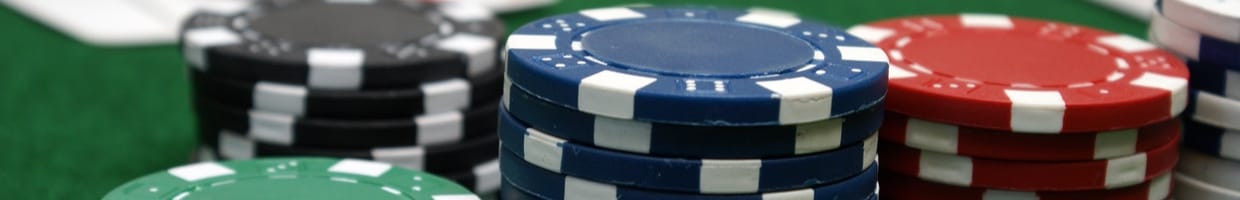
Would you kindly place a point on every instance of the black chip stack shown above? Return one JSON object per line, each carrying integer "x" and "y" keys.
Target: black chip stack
{"x": 409, "y": 83}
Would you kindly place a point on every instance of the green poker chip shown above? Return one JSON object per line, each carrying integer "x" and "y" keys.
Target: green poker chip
{"x": 291, "y": 178}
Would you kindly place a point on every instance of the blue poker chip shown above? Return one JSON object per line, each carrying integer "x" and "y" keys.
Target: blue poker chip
{"x": 510, "y": 192}
{"x": 1211, "y": 140}
{"x": 700, "y": 176}
{"x": 1213, "y": 109}
{"x": 1216, "y": 18}
{"x": 697, "y": 66}
{"x": 1193, "y": 44}
{"x": 544, "y": 184}
{"x": 672, "y": 140}
{"x": 1223, "y": 80}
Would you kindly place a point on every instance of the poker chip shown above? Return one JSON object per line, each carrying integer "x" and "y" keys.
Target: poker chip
{"x": 296, "y": 178}
{"x": 481, "y": 179}
{"x": 1007, "y": 73}
{"x": 704, "y": 176}
{"x": 981, "y": 143}
{"x": 1221, "y": 80}
{"x": 660, "y": 139}
{"x": 431, "y": 97}
{"x": 435, "y": 159}
{"x": 901, "y": 187}
{"x": 353, "y": 45}
{"x": 550, "y": 185}
{"x": 1191, "y": 188}
{"x": 1030, "y": 175}
{"x": 687, "y": 66}
{"x": 510, "y": 192}
{"x": 286, "y": 130}
{"x": 1209, "y": 169}
{"x": 1193, "y": 44}
{"x": 1211, "y": 140}
{"x": 1217, "y": 18}
{"x": 1214, "y": 110}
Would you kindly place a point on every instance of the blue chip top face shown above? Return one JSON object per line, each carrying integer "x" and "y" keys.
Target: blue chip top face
{"x": 697, "y": 49}
{"x": 697, "y": 66}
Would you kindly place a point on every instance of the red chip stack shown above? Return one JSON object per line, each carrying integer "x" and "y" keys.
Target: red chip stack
{"x": 984, "y": 106}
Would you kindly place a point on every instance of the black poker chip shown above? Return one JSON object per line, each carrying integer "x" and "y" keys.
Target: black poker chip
{"x": 430, "y": 97}
{"x": 332, "y": 44}
{"x": 280, "y": 129}
{"x": 481, "y": 179}
{"x": 443, "y": 158}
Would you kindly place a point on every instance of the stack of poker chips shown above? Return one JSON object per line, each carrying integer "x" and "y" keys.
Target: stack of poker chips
{"x": 985, "y": 106}
{"x": 689, "y": 103}
{"x": 413, "y": 84}
{"x": 1205, "y": 34}
{"x": 290, "y": 178}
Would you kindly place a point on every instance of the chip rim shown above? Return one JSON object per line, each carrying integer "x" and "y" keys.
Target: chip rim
{"x": 448, "y": 95}
{"x": 1208, "y": 21}
{"x": 485, "y": 177}
{"x": 714, "y": 176}
{"x": 543, "y": 183}
{"x": 1221, "y": 80}
{"x": 1210, "y": 169}
{"x": 1212, "y": 140}
{"x": 1005, "y": 145}
{"x": 289, "y": 130}
{"x": 1188, "y": 187}
{"x": 1033, "y": 176}
{"x": 898, "y": 185}
{"x": 509, "y": 192}
{"x": 1191, "y": 43}
{"x": 1214, "y": 110}
{"x": 444, "y": 158}
{"x": 674, "y": 140}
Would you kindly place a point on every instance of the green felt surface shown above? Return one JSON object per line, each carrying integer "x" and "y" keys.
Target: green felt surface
{"x": 77, "y": 120}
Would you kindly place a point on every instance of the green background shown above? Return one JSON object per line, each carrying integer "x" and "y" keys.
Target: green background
{"x": 77, "y": 120}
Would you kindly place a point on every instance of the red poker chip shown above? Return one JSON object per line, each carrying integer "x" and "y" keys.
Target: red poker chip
{"x": 1025, "y": 75}
{"x": 1004, "y": 145}
{"x": 1029, "y": 175}
{"x": 901, "y": 187}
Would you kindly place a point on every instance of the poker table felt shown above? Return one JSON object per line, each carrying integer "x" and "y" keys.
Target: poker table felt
{"x": 77, "y": 120}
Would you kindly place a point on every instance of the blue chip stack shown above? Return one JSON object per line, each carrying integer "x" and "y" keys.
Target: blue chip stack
{"x": 1207, "y": 33}
{"x": 689, "y": 103}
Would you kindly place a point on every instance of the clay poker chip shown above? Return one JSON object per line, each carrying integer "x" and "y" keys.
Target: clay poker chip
{"x": 1030, "y": 175}
{"x": 1025, "y": 75}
